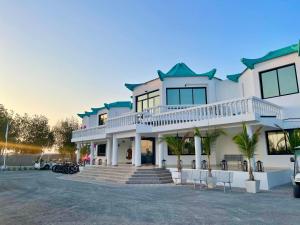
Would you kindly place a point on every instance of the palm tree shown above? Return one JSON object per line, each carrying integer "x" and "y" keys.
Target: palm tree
{"x": 208, "y": 140}
{"x": 247, "y": 145}
{"x": 176, "y": 144}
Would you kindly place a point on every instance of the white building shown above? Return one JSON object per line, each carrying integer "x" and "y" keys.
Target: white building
{"x": 265, "y": 94}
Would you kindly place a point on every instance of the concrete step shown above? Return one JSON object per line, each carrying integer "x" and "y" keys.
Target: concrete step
{"x": 124, "y": 174}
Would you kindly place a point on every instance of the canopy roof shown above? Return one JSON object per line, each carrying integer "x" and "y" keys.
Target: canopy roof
{"x": 182, "y": 70}
{"x": 249, "y": 63}
{"x": 119, "y": 104}
{"x": 234, "y": 77}
{"x": 179, "y": 70}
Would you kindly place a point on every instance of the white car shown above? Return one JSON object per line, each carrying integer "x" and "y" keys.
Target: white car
{"x": 296, "y": 176}
{"x": 41, "y": 165}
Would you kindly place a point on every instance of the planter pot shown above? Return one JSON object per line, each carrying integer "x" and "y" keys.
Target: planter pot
{"x": 252, "y": 186}
{"x": 176, "y": 176}
{"x": 211, "y": 182}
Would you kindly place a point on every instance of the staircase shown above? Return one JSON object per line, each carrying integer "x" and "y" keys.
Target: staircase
{"x": 150, "y": 176}
{"x": 125, "y": 174}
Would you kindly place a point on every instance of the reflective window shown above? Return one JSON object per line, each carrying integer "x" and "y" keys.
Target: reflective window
{"x": 277, "y": 143}
{"x": 186, "y": 96}
{"x": 147, "y": 100}
{"x": 279, "y": 81}
{"x": 102, "y": 119}
{"x": 173, "y": 97}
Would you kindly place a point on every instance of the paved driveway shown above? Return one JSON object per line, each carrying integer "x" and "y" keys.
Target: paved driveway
{"x": 39, "y": 197}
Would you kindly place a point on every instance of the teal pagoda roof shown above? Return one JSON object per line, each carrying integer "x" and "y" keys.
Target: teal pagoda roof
{"x": 234, "y": 77}
{"x": 119, "y": 104}
{"x": 182, "y": 70}
{"x": 249, "y": 63}
{"x": 131, "y": 87}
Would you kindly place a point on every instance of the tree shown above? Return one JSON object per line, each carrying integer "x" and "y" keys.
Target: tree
{"x": 63, "y": 134}
{"x": 176, "y": 145}
{"x": 247, "y": 145}
{"x": 208, "y": 140}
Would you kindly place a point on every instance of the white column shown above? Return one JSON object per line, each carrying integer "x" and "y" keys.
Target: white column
{"x": 137, "y": 150}
{"x": 108, "y": 151}
{"x": 114, "y": 151}
{"x": 250, "y": 133}
{"x": 161, "y": 147}
{"x": 91, "y": 153}
{"x": 198, "y": 148}
{"x": 78, "y": 146}
{"x": 133, "y": 153}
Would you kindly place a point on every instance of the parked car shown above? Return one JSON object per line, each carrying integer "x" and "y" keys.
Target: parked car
{"x": 296, "y": 175}
{"x": 43, "y": 165}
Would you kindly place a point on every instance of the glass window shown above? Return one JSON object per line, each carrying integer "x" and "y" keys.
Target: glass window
{"x": 277, "y": 143}
{"x": 147, "y": 100}
{"x": 287, "y": 80}
{"x": 101, "y": 149}
{"x": 279, "y": 81}
{"x": 186, "y": 96}
{"x": 173, "y": 96}
{"x": 102, "y": 119}
{"x": 270, "y": 84}
{"x": 199, "y": 96}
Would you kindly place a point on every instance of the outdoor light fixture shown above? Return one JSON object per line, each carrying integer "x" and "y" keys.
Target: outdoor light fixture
{"x": 164, "y": 164}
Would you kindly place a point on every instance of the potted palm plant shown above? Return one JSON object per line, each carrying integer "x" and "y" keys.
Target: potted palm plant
{"x": 176, "y": 145}
{"x": 208, "y": 140}
{"x": 247, "y": 146}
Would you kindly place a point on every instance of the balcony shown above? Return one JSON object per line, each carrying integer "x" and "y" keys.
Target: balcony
{"x": 174, "y": 117}
{"x": 93, "y": 133}
{"x": 163, "y": 118}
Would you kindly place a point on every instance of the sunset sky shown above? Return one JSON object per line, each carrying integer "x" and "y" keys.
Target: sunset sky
{"x": 61, "y": 57}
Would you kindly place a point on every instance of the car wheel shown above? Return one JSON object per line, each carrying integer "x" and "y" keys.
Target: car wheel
{"x": 54, "y": 169}
{"x": 297, "y": 191}
{"x": 46, "y": 167}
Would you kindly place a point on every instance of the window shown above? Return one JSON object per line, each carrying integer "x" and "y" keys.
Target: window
{"x": 147, "y": 100}
{"x": 186, "y": 96}
{"x": 102, "y": 119}
{"x": 277, "y": 143}
{"x": 189, "y": 148}
{"x": 278, "y": 82}
{"x": 101, "y": 149}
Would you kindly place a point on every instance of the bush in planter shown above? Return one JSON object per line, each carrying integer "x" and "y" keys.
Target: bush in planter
{"x": 209, "y": 138}
{"x": 247, "y": 146}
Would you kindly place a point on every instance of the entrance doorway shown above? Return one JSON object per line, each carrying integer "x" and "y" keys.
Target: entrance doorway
{"x": 148, "y": 151}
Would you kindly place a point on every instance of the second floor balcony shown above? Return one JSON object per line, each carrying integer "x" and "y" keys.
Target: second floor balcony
{"x": 174, "y": 117}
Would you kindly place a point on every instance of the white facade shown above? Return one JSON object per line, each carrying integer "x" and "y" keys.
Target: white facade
{"x": 229, "y": 104}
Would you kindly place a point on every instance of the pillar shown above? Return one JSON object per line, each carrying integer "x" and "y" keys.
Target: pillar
{"x": 250, "y": 133}
{"x": 198, "y": 150}
{"x": 78, "y": 147}
{"x": 133, "y": 153}
{"x": 108, "y": 151}
{"x": 161, "y": 147}
{"x": 92, "y": 153}
{"x": 137, "y": 150}
{"x": 114, "y": 151}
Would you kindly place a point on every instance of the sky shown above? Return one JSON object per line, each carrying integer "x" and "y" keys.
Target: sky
{"x": 62, "y": 57}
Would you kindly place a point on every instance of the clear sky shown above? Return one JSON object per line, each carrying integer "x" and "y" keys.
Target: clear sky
{"x": 61, "y": 57}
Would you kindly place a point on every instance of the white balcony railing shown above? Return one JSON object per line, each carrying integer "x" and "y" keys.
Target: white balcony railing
{"x": 88, "y": 132}
{"x": 166, "y": 115}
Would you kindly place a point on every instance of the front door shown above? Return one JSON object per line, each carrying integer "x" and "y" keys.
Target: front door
{"x": 148, "y": 151}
